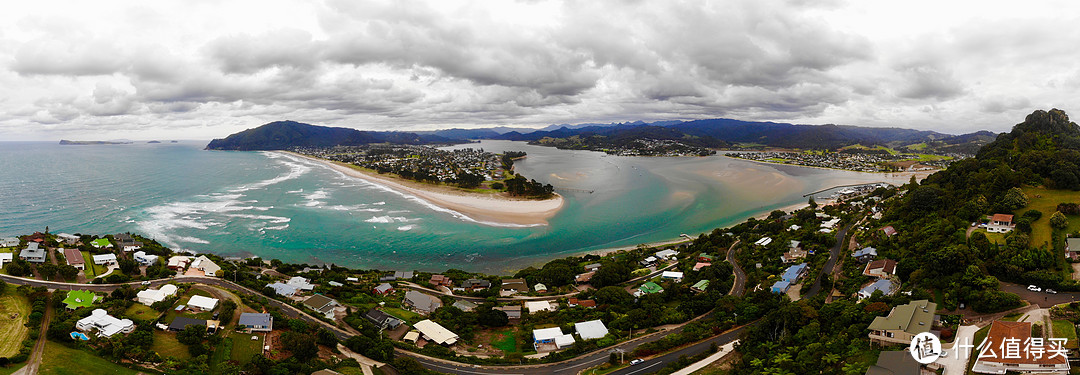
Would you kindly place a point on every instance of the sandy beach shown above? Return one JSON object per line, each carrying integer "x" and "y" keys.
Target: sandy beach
{"x": 483, "y": 208}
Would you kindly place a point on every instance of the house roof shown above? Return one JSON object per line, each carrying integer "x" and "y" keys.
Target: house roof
{"x": 547, "y": 333}
{"x": 886, "y": 286}
{"x": 422, "y": 301}
{"x": 1073, "y": 244}
{"x": 436, "y": 332}
{"x": 1002, "y": 217}
{"x": 887, "y": 266}
{"x": 283, "y": 288}
{"x": 384, "y": 287}
{"x": 914, "y": 318}
{"x": 182, "y": 322}
{"x": 255, "y": 319}
{"x": 515, "y": 284}
{"x": 73, "y": 257}
{"x": 318, "y": 302}
{"x": 671, "y": 275}
{"x": 202, "y": 302}
{"x": 650, "y": 287}
{"x": 537, "y": 306}
{"x": 706, "y": 256}
{"x": 464, "y": 305}
{"x": 379, "y": 316}
{"x": 1001, "y": 330}
{"x": 475, "y": 283}
{"x": 701, "y": 285}
{"x": 865, "y": 251}
{"x": 593, "y": 329}
{"x": 513, "y": 312}
{"x": 793, "y": 272}
{"x": 894, "y": 362}
{"x": 889, "y": 230}
{"x": 104, "y": 257}
{"x": 780, "y": 285}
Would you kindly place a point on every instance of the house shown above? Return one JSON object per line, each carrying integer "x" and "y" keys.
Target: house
{"x": 144, "y": 259}
{"x": 830, "y": 224}
{"x": 74, "y": 258}
{"x": 256, "y": 322}
{"x": 204, "y": 264}
{"x": 179, "y": 262}
{"x": 794, "y": 227}
{"x": 411, "y": 336}
{"x": 886, "y": 286}
{"x": 706, "y": 258}
{"x": 865, "y": 254}
{"x": 475, "y": 284}
{"x": 464, "y": 305}
{"x": 382, "y": 319}
{"x": 666, "y": 254}
{"x": 512, "y": 286}
{"x": 591, "y": 330}
{"x": 105, "y": 259}
{"x": 405, "y": 275}
{"x": 540, "y": 288}
{"x": 283, "y": 289}
{"x": 672, "y": 275}
{"x": 9, "y": 242}
{"x": 1072, "y": 248}
{"x": 384, "y": 289}
{"x": 1000, "y": 223}
{"x": 586, "y": 303}
{"x": 352, "y": 279}
{"x": 584, "y": 278}
{"x": 326, "y": 371}
{"x": 698, "y": 266}
{"x": 66, "y": 238}
{"x": 301, "y": 283}
{"x": 130, "y": 248}
{"x": 648, "y": 288}
{"x": 106, "y": 325}
{"x": 700, "y": 286}
{"x": 100, "y": 243}
{"x": 512, "y": 312}
{"x": 780, "y": 287}
{"x": 203, "y": 303}
{"x": 421, "y": 302}
{"x": 334, "y": 283}
{"x": 150, "y": 296}
{"x": 889, "y": 231}
{"x": 322, "y": 304}
{"x": 592, "y": 267}
{"x": 649, "y": 261}
{"x": 903, "y": 323}
{"x": 440, "y": 280}
{"x": 548, "y": 339}
{"x": 793, "y": 255}
{"x": 881, "y": 268}
{"x": 794, "y": 273}
{"x": 435, "y": 333}
{"x": 538, "y": 306}
{"x": 893, "y": 362}
{"x": 182, "y": 322}
{"x": 33, "y": 253}
{"x": 763, "y": 241}
{"x": 1032, "y": 357}
{"x": 6, "y": 258}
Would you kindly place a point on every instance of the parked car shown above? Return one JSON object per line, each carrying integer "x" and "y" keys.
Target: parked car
{"x": 147, "y": 282}
{"x": 1034, "y": 288}
{"x": 636, "y": 361}
{"x": 944, "y": 354}
{"x": 1051, "y": 291}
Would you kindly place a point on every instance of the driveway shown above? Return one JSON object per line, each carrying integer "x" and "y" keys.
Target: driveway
{"x": 956, "y": 362}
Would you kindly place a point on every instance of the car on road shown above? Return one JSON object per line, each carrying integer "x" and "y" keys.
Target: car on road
{"x": 147, "y": 282}
{"x": 944, "y": 354}
{"x": 975, "y": 224}
{"x": 1034, "y": 288}
{"x": 1051, "y": 291}
{"x": 636, "y": 361}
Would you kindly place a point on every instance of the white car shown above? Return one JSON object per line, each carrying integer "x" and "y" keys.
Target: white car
{"x": 1051, "y": 291}
{"x": 636, "y": 361}
{"x": 1034, "y": 288}
{"x": 944, "y": 354}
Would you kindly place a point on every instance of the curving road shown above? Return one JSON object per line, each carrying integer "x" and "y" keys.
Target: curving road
{"x": 738, "y": 288}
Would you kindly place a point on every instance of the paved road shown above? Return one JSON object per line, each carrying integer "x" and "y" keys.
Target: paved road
{"x": 655, "y": 364}
{"x": 834, "y": 254}
{"x": 738, "y": 288}
{"x": 956, "y": 362}
{"x": 1042, "y": 299}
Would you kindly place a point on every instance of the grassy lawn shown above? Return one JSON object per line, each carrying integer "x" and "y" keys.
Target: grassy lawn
{"x": 995, "y": 238}
{"x": 1065, "y": 328}
{"x": 243, "y": 347}
{"x": 166, "y": 345}
{"x": 12, "y": 368}
{"x": 221, "y": 354}
{"x": 506, "y": 343}
{"x": 406, "y": 315}
{"x": 92, "y": 270}
{"x": 141, "y": 312}
{"x": 1047, "y": 203}
{"x": 13, "y": 331}
{"x": 980, "y": 335}
{"x": 59, "y": 359}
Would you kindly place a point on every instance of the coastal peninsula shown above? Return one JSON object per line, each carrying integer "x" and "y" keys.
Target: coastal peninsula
{"x": 489, "y": 208}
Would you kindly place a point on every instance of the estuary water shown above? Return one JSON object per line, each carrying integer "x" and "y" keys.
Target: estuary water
{"x": 279, "y": 206}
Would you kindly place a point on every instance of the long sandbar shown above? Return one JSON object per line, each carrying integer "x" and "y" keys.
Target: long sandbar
{"x": 484, "y": 208}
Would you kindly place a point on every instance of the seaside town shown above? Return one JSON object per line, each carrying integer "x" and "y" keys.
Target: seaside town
{"x": 464, "y": 167}
{"x": 855, "y": 161}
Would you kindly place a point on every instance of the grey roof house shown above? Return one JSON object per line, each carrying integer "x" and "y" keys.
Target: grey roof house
{"x": 257, "y": 322}
{"x": 421, "y": 302}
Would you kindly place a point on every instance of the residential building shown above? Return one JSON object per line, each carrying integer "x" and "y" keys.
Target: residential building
{"x": 889, "y": 231}
{"x": 9, "y": 242}
{"x": 795, "y": 253}
{"x": 33, "y": 253}
{"x": 334, "y": 284}
{"x": 421, "y": 303}
{"x": 182, "y": 322}
{"x": 464, "y": 305}
{"x": 106, "y": 325}
{"x": 1000, "y": 223}
{"x": 435, "y": 333}
{"x": 587, "y": 303}
{"x": 763, "y": 241}
{"x": 591, "y": 330}
{"x": 549, "y": 339}
{"x": 440, "y": 280}
{"x": 257, "y": 322}
{"x": 202, "y": 303}
{"x": 672, "y": 275}
{"x": 649, "y": 261}
{"x": 512, "y": 312}
{"x": 475, "y": 284}
{"x": 326, "y": 371}
{"x": 512, "y": 286}
{"x": 881, "y": 268}
{"x": 886, "y": 286}
{"x": 382, "y": 319}
{"x": 150, "y": 296}
{"x": 699, "y": 265}
{"x": 584, "y": 278}
{"x": 384, "y": 289}
{"x": 144, "y": 259}
{"x": 74, "y": 258}
{"x": 352, "y": 279}
{"x": 6, "y": 258}
{"x": 538, "y": 306}
{"x": 66, "y": 238}
{"x": 648, "y": 288}
{"x": 706, "y": 258}
{"x": 1072, "y": 248}
{"x": 1047, "y": 357}
{"x": 204, "y": 264}
{"x": 790, "y": 277}
{"x": 903, "y": 323}
{"x": 895, "y": 362}
{"x": 592, "y": 267}
{"x": 301, "y": 283}
{"x": 323, "y": 304}
{"x": 283, "y": 289}
{"x": 700, "y": 286}
{"x": 540, "y": 288}
{"x": 104, "y": 259}
{"x": 179, "y": 262}
{"x": 865, "y": 255}
{"x": 666, "y": 254}
{"x": 780, "y": 287}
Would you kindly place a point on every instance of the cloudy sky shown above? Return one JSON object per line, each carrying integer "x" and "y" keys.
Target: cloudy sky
{"x": 204, "y": 69}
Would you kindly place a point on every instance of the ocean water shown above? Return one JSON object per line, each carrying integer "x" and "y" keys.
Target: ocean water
{"x": 279, "y": 206}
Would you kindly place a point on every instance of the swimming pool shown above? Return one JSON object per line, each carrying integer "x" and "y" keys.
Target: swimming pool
{"x": 79, "y": 336}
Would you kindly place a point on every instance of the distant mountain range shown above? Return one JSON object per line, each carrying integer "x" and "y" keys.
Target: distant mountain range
{"x": 717, "y": 133}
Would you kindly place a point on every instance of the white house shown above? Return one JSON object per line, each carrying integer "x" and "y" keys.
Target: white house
{"x": 1000, "y": 223}
{"x": 105, "y": 259}
{"x": 301, "y": 283}
{"x": 544, "y": 338}
{"x": 202, "y": 263}
{"x": 672, "y": 275}
{"x": 105, "y": 324}
{"x": 283, "y": 289}
{"x": 435, "y": 333}
{"x": 593, "y": 329}
{"x": 150, "y": 296}
{"x": 145, "y": 259}
{"x": 9, "y": 242}
{"x": 68, "y": 238}
{"x": 6, "y": 258}
{"x": 179, "y": 262}
{"x": 203, "y": 303}
{"x": 130, "y": 248}
{"x": 764, "y": 241}
{"x": 541, "y": 288}
{"x": 538, "y": 306}
{"x": 666, "y": 254}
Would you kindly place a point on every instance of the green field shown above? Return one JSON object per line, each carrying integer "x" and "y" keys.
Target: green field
{"x": 141, "y": 312}
{"x": 13, "y": 311}
{"x": 995, "y": 238}
{"x": 243, "y": 347}
{"x": 92, "y": 270}
{"x": 59, "y": 359}
{"x": 1046, "y": 201}
{"x": 1064, "y": 328}
{"x": 220, "y": 354}
{"x": 506, "y": 343}
{"x": 166, "y": 345}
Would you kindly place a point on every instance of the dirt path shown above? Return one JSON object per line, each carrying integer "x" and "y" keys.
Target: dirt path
{"x": 34, "y": 362}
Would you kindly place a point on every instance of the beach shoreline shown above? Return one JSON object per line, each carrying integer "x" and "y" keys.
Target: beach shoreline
{"x": 491, "y": 210}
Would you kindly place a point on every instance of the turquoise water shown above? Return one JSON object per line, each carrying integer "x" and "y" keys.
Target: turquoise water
{"x": 278, "y": 206}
